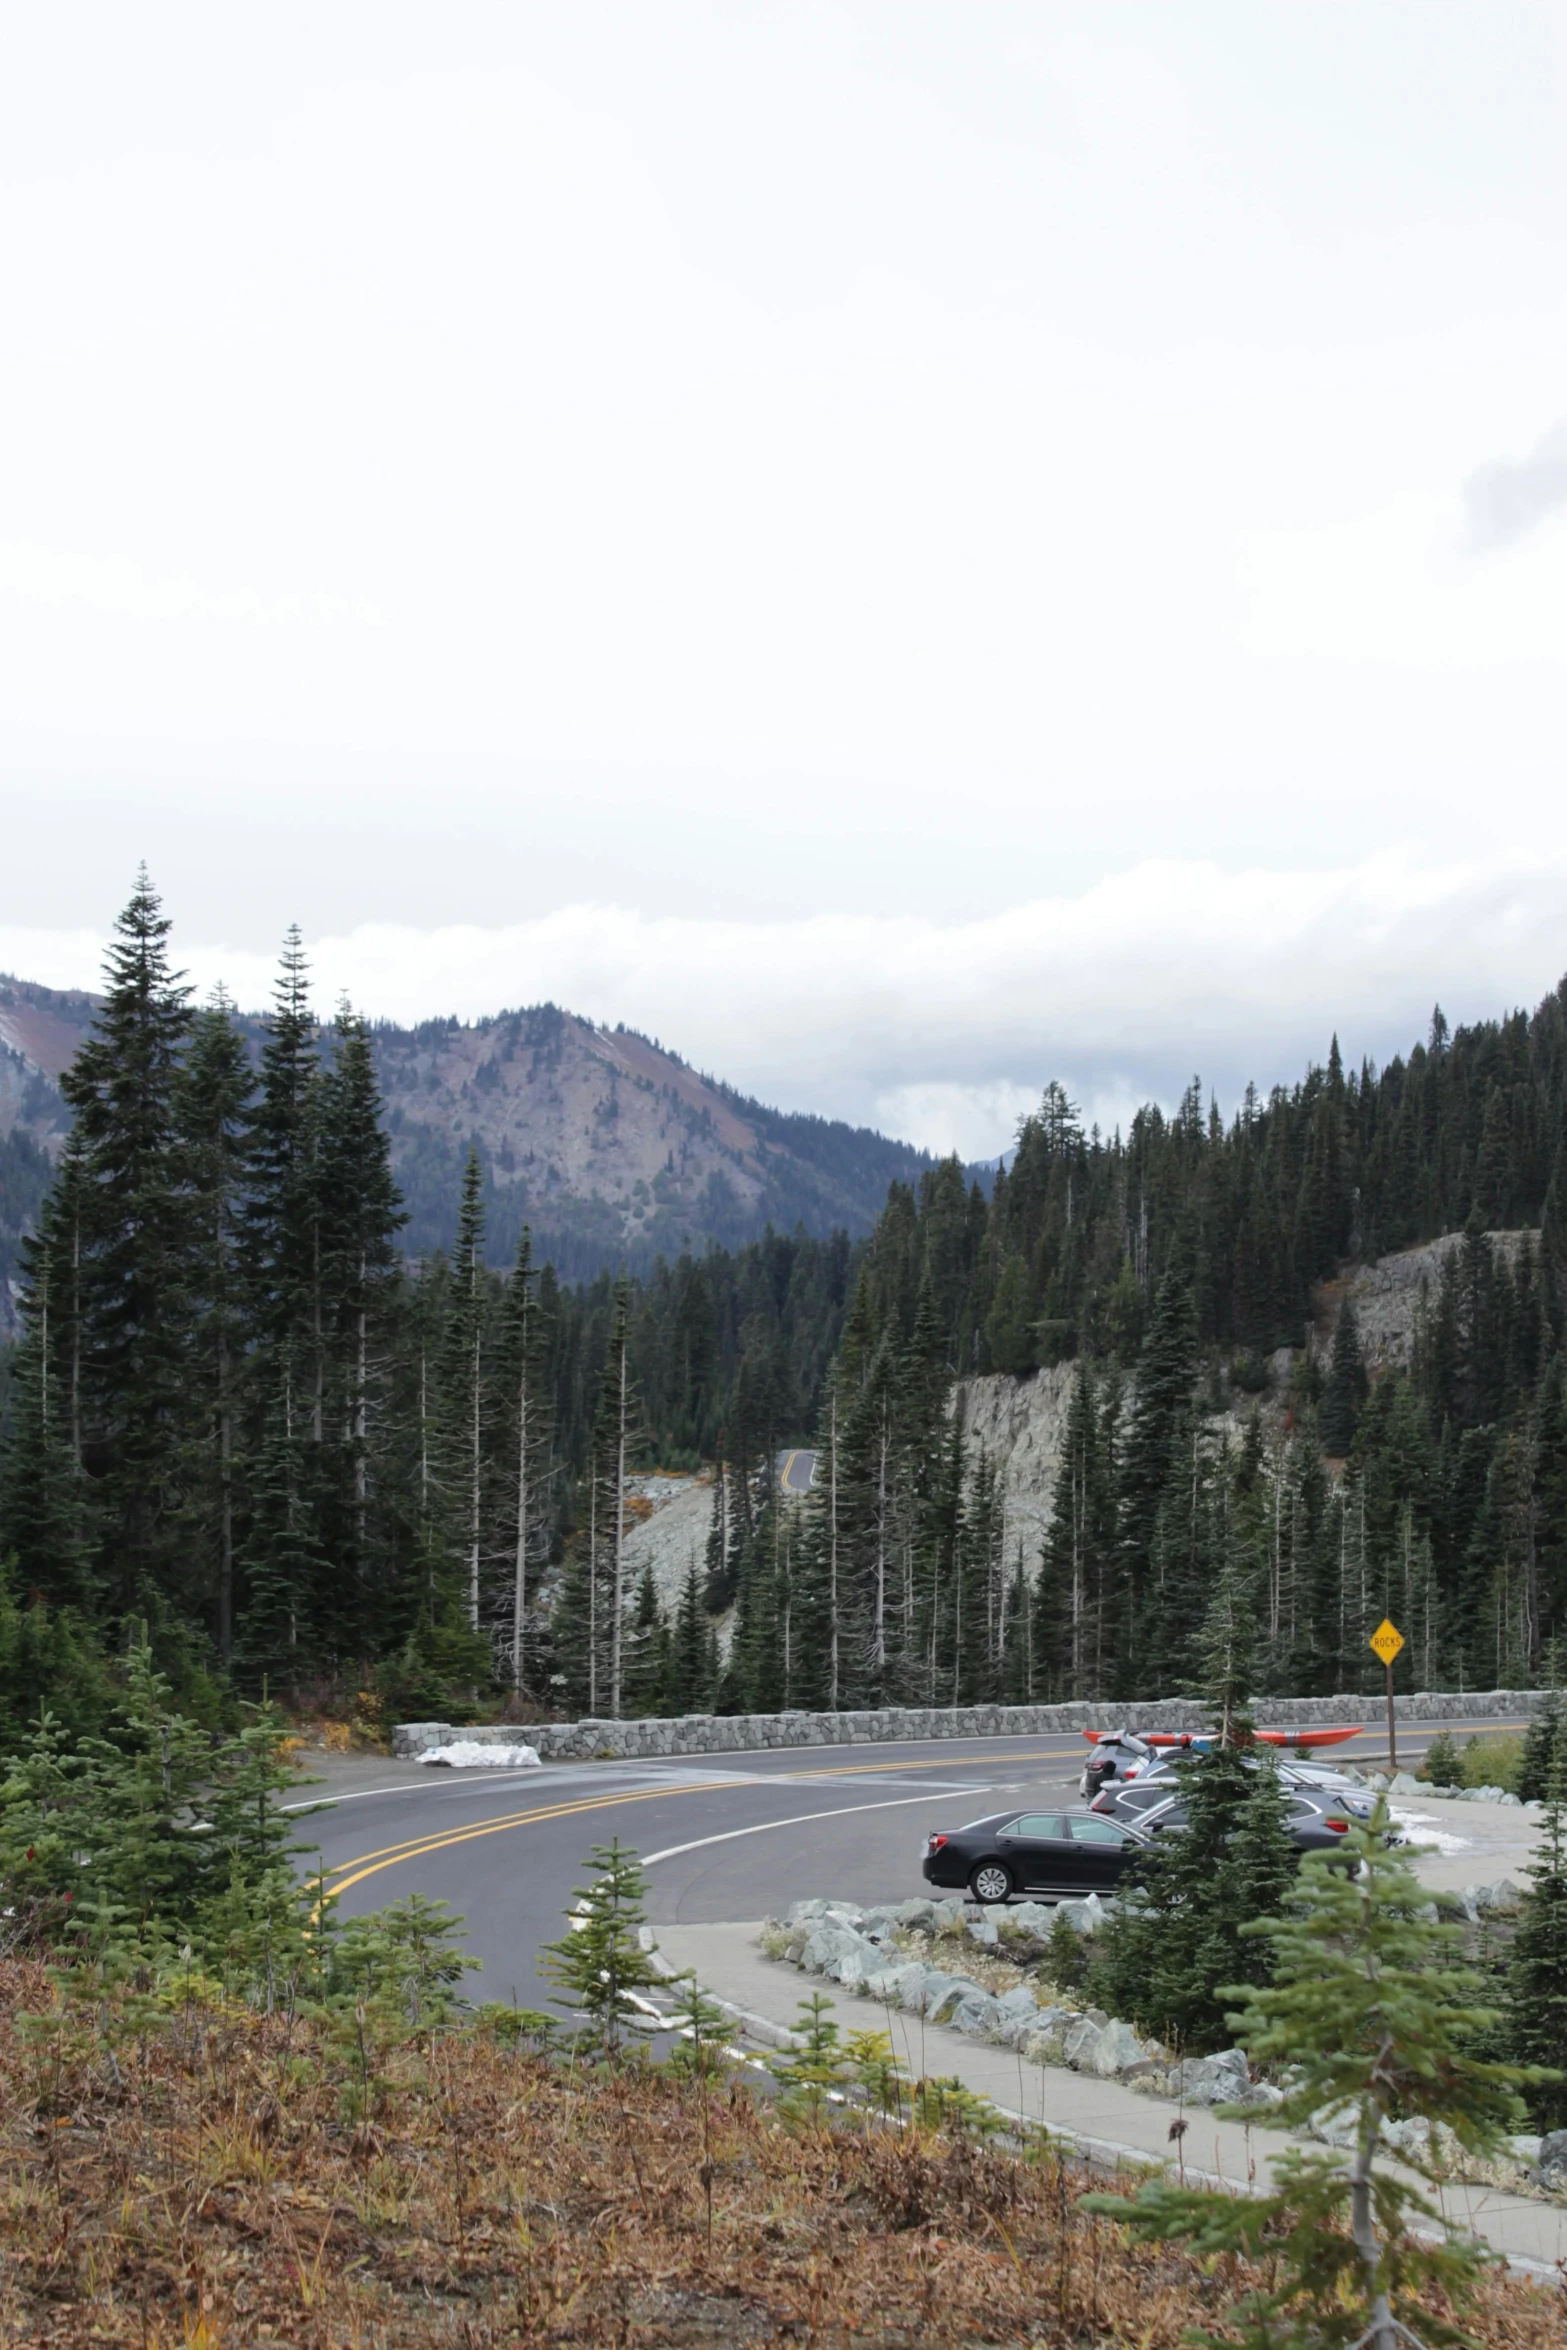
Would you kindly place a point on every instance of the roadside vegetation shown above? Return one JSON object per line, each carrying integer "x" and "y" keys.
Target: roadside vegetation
{"x": 231, "y": 2117}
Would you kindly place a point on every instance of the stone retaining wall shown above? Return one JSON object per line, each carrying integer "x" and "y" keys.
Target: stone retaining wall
{"x": 742, "y": 1733}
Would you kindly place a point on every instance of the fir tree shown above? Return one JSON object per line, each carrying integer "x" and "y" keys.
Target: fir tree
{"x": 1018, "y": 1682}
{"x": 527, "y": 1416}
{"x": 720, "y": 1581}
{"x": 579, "y": 1612}
{"x": 1544, "y": 1740}
{"x": 465, "y": 1386}
{"x": 1373, "y": 2020}
{"x": 40, "y": 1499}
{"x": 213, "y": 1093}
{"x": 1537, "y": 1962}
{"x": 599, "y": 1963}
{"x": 688, "y": 1686}
{"x": 283, "y": 1239}
{"x": 361, "y": 1215}
{"x": 1164, "y": 1955}
{"x": 134, "y": 1246}
{"x": 866, "y": 1474}
{"x": 618, "y": 1433}
{"x": 1227, "y": 1654}
{"x": 646, "y": 1658}
{"x": 1079, "y": 1547}
{"x": 283, "y": 1566}
{"x": 947, "y": 1622}
{"x": 1345, "y": 1392}
{"x": 1160, "y": 1407}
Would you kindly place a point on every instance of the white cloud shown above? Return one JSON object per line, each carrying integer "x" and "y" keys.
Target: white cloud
{"x": 1391, "y": 584}
{"x": 116, "y": 584}
{"x": 1504, "y": 500}
{"x": 976, "y": 1121}
{"x": 509, "y": 485}
{"x": 944, "y": 1032}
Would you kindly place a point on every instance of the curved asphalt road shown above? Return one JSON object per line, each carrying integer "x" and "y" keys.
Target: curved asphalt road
{"x": 721, "y": 1838}
{"x": 796, "y": 1473}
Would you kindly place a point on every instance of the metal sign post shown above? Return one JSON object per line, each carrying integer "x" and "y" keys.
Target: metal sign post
{"x": 1386, "y": 1641}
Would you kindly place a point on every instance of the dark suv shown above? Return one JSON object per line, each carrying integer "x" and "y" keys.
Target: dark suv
{"x": 1062, "y": 1853}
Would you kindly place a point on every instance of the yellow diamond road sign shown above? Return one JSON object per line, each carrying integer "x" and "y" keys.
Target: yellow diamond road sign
{"x": 1387, "y": 1640}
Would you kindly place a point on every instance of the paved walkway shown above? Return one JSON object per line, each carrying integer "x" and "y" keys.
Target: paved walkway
{"x": 1492, "y": 1840}
{"x": 1104, "y": 2118}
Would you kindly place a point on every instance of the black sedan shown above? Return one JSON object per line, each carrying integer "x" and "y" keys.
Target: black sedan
{"x": 1067, "y": 1853}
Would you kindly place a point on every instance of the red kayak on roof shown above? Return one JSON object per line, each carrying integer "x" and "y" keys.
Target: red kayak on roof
{"x": 1200, "y": 1738}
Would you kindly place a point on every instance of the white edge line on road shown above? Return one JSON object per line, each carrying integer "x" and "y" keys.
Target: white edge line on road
{"x": 760, "y": 1827}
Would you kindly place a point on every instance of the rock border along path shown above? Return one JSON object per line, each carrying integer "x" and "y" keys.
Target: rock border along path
{"x": 640, "y": 1741}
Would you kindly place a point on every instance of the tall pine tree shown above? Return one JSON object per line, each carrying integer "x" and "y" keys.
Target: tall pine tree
{"x": 134, "y": 1273}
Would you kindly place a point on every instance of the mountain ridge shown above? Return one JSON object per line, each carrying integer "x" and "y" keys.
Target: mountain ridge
{"x": 611, "y": 1147}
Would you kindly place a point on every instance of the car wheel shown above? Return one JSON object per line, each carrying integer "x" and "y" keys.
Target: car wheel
{"x": 991, "y": 1881}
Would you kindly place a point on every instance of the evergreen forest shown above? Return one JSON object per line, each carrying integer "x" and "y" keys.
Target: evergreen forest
{"x": 247, "y": 1423}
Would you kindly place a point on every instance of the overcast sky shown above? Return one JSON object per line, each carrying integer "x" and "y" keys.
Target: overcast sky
{"x": 905, "y": 549}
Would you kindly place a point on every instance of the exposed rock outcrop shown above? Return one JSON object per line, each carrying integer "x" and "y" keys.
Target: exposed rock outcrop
{"x": 1388, "y": 1296}
{"x": 1021, "y": 1424}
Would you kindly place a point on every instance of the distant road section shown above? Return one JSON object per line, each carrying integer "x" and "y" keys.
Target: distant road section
{"x": 796, "y": 1471}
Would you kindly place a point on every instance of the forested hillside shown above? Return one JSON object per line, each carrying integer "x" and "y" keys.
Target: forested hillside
{"x": 244, "y": 1410}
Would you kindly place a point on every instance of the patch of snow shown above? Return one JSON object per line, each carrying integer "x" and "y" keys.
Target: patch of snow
{"x": 1418, "y": 1829}
{"x": 466, "y": 1754}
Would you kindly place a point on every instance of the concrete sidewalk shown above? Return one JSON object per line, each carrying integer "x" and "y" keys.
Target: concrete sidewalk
{"x": 1104, "y": 2119}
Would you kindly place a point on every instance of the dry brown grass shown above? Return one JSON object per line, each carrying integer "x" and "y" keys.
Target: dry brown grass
{"x": 204, "y": 2189}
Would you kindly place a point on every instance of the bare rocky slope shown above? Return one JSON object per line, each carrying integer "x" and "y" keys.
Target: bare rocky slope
{"x": 611, "y": 1147}
{"x": 1387, "y": 1297}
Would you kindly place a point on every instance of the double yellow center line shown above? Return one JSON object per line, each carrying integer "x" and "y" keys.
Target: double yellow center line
{"x": 347, "y": 1873}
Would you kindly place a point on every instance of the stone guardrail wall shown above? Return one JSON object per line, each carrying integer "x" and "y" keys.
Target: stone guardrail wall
{"x": 742, "y": 1733}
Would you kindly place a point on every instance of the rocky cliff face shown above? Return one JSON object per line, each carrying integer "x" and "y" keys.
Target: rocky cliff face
{"x": 1021, "y": 1424}
{"x": 1388, "y": 1297}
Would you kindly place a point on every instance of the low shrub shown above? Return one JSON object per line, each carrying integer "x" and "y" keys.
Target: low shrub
{"x": 1495, "y": 1760}
{"x": 233, "y": 2176}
